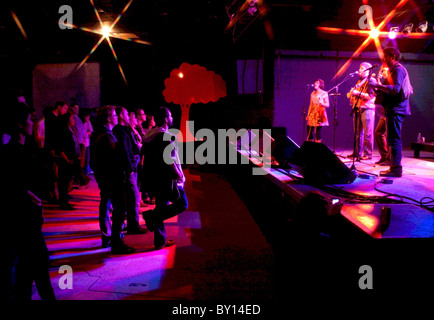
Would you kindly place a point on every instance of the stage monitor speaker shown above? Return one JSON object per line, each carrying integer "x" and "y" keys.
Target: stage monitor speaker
{"x": 319, "y": 165}
{"x": 283, "y": 149}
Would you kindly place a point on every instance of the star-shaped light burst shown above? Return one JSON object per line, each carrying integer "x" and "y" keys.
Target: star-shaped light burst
{"x": 106, "y": 32}
{"x": 372, "y": 35}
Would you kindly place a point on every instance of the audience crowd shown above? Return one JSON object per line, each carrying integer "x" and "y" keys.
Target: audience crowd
{"x": 44, "y": 159}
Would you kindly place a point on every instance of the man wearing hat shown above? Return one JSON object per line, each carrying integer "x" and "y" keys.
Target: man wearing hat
{"x": 362, "y": 98}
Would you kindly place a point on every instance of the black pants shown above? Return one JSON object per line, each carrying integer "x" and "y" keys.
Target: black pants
{"x": 32, "y": 265}
{"x": 165, "y": 208}
{"x": 66, "y": 172}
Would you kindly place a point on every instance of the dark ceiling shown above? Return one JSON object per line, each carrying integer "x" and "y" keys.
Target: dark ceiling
{"x": 191, "y": 31}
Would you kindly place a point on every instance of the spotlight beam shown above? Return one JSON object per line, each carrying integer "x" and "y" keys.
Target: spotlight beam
{"x": 19, "y": 25}
{"x": 96, "y": 13}
{"x": 117, "y": 60}
{"x": 121, "y": 14}
{"x": 90, "y": 53}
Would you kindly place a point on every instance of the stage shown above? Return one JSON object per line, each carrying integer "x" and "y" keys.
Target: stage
{"x": 410, "y": 197}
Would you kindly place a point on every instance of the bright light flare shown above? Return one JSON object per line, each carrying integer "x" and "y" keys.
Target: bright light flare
{"x": 374, "y": 33}
{"x": 181, "y": 75}
{"x": 105, "y": 31}
{"x": 393, "y": 33}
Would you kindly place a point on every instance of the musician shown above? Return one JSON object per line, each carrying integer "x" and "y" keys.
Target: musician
{"x": 362, "y": 98}
{"x": 317, "y": 115}
{"x": 396, "y": 102}
{"x": 380, "y": 130}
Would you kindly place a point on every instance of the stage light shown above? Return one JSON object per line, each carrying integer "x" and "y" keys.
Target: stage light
{"x": 423, "y": 26}
{"x": 407, "y": 29}
{"x": 374, "y": 33}
{"x": 181, "y": 75}
{"x": 393, "y": 32}
{"x": 105, "y": 31}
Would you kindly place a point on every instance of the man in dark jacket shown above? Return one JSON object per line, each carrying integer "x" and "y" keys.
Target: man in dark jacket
{"x": 395, "y": 93}
{"x": 165, "y": 177}
{"x": 129, "y": 156}
{"x": 108, "y": 172}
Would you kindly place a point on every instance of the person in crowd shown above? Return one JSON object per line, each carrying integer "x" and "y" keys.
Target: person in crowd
{"x": 380, "y": 131}
{"x": 52, "y": 134}
{"x": 68, "y": 151}
{"x": 362, "y": 98}
{"x": 141, "y": 118}
{"x": 133, "y": 125}
{"x": 79, "y": 177}
{"x": 165, "y": 176}
{"x": 396, "y": 93}
{"x": 317, "y": 114}
{"x": 26, "y": 255}
{"x": 110, "y": 178}
{"x": 137, "y": 137}
{"x": 146, "y": 125}
{"x": 130, "y": 157}
{"x": 88, "y": 130}
{"x": 149, "y": 123}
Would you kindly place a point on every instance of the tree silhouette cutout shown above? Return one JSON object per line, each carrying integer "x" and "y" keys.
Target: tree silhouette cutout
{"x": 192, "y": 84}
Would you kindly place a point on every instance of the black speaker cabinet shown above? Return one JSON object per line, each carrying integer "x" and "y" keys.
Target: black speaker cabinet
{"x": 283, "y": 149}
{"x": 319, "y": 165}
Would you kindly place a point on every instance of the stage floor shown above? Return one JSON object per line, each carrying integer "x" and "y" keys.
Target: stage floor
{"x": 415, "y": 188}
{"x": 410, "y": 197}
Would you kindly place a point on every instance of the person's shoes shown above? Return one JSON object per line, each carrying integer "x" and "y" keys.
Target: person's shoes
{"x": 365, "y": 158}
{"x": 397, "y": 173}
{"x": 66, "y": 206}
{"x": 149, "y": 224}
{"x": 122, "y": 248}
{"x": 169, "y": 243}
{"x": 350, "y": 156}
{"x": 138, "y": 230}
{"x": 382, "y": 162}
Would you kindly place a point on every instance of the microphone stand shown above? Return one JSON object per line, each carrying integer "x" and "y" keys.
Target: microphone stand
{"x": 303, "y": 113}
{"x": 335, "y": 116}
{"x": 356, "y": 111}
{"x": 335, "y": 106}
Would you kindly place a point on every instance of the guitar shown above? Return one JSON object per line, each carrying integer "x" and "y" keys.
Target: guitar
{"x": 354, "y": 98}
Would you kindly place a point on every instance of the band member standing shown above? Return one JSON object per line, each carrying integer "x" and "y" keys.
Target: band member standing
{"x": 396, "y": 103}
{"x": 317, "y": 115}
{"x": 362, "y": 98}
{"x": 380, "y": 130}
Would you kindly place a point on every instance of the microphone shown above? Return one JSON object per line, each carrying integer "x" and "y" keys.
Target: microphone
{"x": 310, "y": 85}
{"x": 370, "y": 68}
{"x": 354, "y": 73}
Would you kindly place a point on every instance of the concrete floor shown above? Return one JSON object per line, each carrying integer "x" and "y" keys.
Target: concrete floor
{"x": 220, "y": 252}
